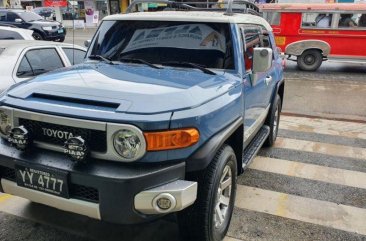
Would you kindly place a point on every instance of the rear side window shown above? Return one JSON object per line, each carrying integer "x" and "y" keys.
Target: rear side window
{"x": 273, "y": 18}
{"x": 348, "y": 20}
{"x": 75, "y": 56}
{"x": 24, "y": 69}
{"x": 317, "y": 20}
{"x": 39, "y": 61}
{"x": 6, "y": 34}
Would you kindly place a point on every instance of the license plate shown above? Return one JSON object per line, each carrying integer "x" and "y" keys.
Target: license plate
{"x": 60, "y": 31}
{"x": 51, "y": 181}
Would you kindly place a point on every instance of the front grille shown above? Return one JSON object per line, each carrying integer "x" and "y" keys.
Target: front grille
{"x": 95, "y": 139}
{"x": 84, "y": 193}
{"x": 7, "y": 173}
{"x": 80, "y": 192}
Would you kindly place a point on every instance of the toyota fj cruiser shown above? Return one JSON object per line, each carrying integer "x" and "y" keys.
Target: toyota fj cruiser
{"x": 168, "y": 109}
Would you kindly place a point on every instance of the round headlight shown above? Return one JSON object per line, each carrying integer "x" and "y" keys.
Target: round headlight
{"x": 5, "y": 123}
{"x": 129, "y": 144}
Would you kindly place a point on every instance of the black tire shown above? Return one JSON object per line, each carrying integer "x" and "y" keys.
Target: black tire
{"x": 310, "y": 60}
{"x": 198, "y": 222}
{"x": 37, "y": 36}
{"x": 273, "y": 121}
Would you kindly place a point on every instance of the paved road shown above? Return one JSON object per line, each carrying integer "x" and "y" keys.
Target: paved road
{"x": 310, "y": 186}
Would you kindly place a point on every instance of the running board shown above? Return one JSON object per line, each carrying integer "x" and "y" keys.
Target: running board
{"x": 252, "y": 149}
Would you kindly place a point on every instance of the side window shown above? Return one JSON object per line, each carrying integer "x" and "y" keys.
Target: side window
{"x": 347, "y": 20}
{"x": 6, "y": 34}
{"x": 317, "y": 20}
{"x": 251, "y": 38}
{"x": 2, "y": 16}
{"x": 24, "y": 69}
{"x": 74, "y": 54}
{"x": 362, "y": 21}
{"x": 43, "y": 60}
{"x": 10, "y": 17}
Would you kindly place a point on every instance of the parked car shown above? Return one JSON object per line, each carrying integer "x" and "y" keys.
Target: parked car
{"x": 169, "y": 108}
{"x": 42, "y": 29}
{"x": 313, "y": 33}
{"x": 21, "y": 60}
{"x": 8, "y": 32}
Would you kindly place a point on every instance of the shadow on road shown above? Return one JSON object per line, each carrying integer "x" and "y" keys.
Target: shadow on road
{"x": 161, "y": 230}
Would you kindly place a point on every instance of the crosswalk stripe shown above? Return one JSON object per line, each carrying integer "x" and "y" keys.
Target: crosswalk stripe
{"x": 321, "y": 148}
{"x": 323, "y": 126}
{"x": 308, "y": 210}
{"x": 310, "y": 171}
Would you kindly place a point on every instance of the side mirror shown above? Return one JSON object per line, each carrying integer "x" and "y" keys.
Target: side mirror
{"x": 87, "y": 43}
{"x": 262, "y": 62}
{"x": 18, "y": 20}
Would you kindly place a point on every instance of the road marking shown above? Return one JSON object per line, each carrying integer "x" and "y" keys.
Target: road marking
{"x": 310, "y": 171}
{"x": 322, "y": 126}
{"x": 308, "y": 210}
{"x": 322, "y": 148}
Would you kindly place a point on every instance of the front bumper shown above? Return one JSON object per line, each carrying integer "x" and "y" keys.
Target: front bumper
{"x": 55, "y": 34}
{"x": 113, "y": 192}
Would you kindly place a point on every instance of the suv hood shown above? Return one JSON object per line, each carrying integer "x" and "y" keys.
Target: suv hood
{"x": 45, "y": 22}
{"x": 126, "y": 88}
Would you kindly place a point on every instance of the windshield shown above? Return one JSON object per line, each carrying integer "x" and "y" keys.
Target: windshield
{"x": 206, "y": 44}
{"x": 29, "y": 16}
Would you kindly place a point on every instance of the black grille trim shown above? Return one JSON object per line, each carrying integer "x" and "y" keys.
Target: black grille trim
{"x": 85, "y": 193}
{"x": 95, "y": 139}
{"x": 80, "y": 192}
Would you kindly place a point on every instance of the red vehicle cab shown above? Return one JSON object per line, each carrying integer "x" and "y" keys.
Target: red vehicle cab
{"x": 312, "y": 33}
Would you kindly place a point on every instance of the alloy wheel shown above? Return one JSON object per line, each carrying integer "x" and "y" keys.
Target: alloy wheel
{"x": 223, "y": 197}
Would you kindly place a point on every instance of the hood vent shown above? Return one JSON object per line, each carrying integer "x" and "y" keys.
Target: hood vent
{"x": 70, "y": 100}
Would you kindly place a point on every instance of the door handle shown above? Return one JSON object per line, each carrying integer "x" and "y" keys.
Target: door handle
{"x": 268, "y": 80}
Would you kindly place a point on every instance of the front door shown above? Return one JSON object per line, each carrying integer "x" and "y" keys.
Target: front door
{"x": 256, "y": 94}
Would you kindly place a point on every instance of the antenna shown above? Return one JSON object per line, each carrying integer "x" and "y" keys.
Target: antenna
{"x": 229, "y": 10}
{"x": 73, "y": 35}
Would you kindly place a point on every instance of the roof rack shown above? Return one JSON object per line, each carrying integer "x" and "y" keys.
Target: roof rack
{"x": 230, "y": 7}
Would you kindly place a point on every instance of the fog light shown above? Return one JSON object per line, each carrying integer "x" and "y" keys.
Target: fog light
{"x": 164, "y": 203}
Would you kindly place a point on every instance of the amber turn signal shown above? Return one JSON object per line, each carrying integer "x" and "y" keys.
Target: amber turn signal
{"x": 169, "y": 140}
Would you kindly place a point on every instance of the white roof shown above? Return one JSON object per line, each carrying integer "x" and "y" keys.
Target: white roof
{"x": 25, "y": 33}
{"x": 192, "y": 16}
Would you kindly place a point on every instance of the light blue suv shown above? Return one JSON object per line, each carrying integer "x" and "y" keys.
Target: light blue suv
{"x": 169, "y": 108}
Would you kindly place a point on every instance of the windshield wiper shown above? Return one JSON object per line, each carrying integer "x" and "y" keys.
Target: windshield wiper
{"x": 188, "y": 64}
{"x": 100, "y": 57}
{"x": 140, "y": 61}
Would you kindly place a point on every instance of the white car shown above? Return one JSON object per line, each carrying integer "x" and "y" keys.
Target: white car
{"x": 8, "y": 32}
{"x": 23, "y": 59}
